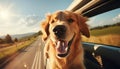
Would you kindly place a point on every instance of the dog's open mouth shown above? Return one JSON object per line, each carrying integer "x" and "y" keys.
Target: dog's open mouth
{"x": 63, "y": 47}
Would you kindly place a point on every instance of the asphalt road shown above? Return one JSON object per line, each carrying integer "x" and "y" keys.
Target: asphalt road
{"x": 29, "y": 58}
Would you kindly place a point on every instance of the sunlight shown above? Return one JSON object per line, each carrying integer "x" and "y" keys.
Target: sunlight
{"x": 5, "y": 14}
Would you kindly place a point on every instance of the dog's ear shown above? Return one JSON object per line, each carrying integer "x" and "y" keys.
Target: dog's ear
{"x": 45, "y": 28}
{"x": 83, "y": 26}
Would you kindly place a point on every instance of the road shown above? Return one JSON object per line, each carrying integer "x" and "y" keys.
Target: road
{"x": 29, "y": 58}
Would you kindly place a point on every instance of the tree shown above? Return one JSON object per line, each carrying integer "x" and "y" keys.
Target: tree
{"x": 16, "y": 40}
{"x": 8, "y": 39}
{"x": 39, "y": 33}
{"x": 1, "y": 41}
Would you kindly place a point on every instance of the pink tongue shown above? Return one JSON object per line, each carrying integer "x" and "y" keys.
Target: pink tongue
{"x": 61, "y": 46}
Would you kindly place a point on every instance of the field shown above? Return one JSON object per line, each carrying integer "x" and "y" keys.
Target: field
{"x": 11, "y": 49}
{"x": 108, "y": 36}
{"x": 114, "y": 30}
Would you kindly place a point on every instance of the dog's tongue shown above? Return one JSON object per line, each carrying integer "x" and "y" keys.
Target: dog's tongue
{"x": 62, "y": 47}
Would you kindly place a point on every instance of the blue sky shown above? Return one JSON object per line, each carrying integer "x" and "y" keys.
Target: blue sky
{"x": 107, "y": 18}
{"x": 24, "y": 16}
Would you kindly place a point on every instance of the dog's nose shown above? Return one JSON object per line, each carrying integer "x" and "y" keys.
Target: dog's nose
{"x": 60, "y": 31}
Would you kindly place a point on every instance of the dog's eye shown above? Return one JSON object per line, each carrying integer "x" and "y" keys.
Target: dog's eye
{"x": 52, "y": 21}
{"x": 70, "y": 20}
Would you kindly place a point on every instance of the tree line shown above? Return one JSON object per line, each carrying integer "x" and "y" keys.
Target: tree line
{"x": 8, "y": 39}
{"x": 105, "y": 26}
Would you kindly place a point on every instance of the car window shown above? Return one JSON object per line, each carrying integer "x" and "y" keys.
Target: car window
{"x": 104, "y": 28}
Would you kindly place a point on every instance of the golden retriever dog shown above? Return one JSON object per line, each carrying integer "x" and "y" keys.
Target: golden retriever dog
{"x": 63, "y": 30}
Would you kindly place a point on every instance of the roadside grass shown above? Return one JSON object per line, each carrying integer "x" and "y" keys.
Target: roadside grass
{"x": 106, "y": 39}
{"x": 106, "y": 31}
{"x": 108, "y": 36}
{"x": 7, "y": 51}
{"x": 5, "y": 45}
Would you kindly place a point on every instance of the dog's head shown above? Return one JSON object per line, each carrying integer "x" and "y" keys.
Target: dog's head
{"x": 62, "y": 27}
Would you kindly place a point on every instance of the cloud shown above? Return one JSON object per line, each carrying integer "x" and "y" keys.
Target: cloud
{"x": 30, "y": 23}
{"x": 91, "y": 22}
{"x": 101, "y": 21}
{"x": 30, "y": 20}
{"x": 117, "y": 18}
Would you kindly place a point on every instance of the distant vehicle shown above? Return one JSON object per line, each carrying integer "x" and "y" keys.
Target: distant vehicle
{"x": 109, "y": 56}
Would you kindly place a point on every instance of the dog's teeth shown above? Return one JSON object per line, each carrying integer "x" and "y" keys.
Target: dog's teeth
{"x": 66, "y": 48}
{"x": 58, "y": 44}
{"x": 63, "y": 44}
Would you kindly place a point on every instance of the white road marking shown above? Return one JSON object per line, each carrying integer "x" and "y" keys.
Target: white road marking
{"x": 37, "y": 60}
{"x": 34, "y": 61}
{"x": 39, "y": 64}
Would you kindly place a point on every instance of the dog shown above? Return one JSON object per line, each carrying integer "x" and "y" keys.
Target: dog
{"x": 63, "y": 48}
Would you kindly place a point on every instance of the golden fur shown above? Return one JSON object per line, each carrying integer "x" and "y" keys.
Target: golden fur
{"x": 75, "y": 26}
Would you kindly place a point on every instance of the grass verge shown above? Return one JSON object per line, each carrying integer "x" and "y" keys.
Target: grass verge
{"x": 110, "y": 39}
{"x": 106, "y": 31}
{"x": 13, "y": 49}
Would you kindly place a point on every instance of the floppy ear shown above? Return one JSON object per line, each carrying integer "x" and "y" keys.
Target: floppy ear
{"x": 45, "y": 28}
{"x": 83, "y": 26}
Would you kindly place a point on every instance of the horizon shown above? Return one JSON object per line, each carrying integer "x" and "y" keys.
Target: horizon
{"x": 17, "y": 34}
{"x": 23, "y": 16}
{"x": 40, "y": 30}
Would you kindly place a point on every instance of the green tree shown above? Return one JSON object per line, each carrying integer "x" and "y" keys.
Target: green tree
{"x": 39, "y": 33}
{"x": 16, "y": 40}
{"x": 8, "y": 39}
{"x": 1, "y": 41}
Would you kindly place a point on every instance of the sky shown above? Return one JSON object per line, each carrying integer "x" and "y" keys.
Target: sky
{"x": 24, "y": 16}
{"x": 107, "y": 18}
